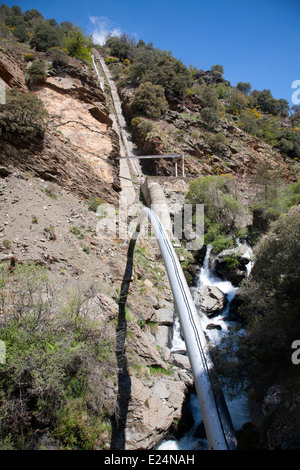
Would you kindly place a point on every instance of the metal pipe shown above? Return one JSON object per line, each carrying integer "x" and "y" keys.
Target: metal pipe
{"x": 216, "y": 418}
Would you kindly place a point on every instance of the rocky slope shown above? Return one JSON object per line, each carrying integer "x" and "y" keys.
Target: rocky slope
{"x": 45, "y": 190}
{"x": 80, "y": 146}
{"x": 182, "y": 131}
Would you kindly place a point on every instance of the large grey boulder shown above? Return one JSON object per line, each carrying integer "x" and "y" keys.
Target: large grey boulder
{"x": 210, "y": 300}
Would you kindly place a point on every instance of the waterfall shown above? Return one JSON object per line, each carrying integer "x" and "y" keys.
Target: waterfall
{"x": 238, "y": 405}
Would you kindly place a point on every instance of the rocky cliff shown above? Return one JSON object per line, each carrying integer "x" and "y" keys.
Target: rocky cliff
{"x": 79, "y": 147}
{"x": 46, "y": 189}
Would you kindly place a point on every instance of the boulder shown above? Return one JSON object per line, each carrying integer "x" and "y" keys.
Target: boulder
{"x": 231, "y": 264}
{"x": 151, "y": 411}
{"x": 210, "y": 300}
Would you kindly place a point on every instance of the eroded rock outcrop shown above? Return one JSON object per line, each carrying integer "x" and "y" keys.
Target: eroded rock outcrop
{"x": 11, "y": 73}
{"x": 79, "y": 147}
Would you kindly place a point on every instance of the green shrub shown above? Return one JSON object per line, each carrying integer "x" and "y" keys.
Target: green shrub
{"x": 78, "y": 45}
{"x": 150, "y": 101}
{"x": 210, "y": 116}
{"x": 22, "y": 116}
{"x": 58, "y": 365}
{"x": 29, "y": 57}
{"x": 221, "y": 209}
{"x": 94, "y": 203}
{"x": 269, "y": 307}
{"x": 218, "y": 142}
{"x": 58, "y": 56}
{"x": 37, "y": 72}
{"x": 5, "y": 32}
{"x": 209, "y": 97}
{"x": 46, "y": 36}
{"x": 20, "y": 32}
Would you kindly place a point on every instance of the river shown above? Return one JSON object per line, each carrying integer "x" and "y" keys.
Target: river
{"x": 237, "y": 405}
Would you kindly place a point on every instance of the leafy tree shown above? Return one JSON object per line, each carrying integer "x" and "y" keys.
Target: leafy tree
{"x": 244, "y": 87}
{"x": 17, "y": 10}
{"x": 78, "y": 45}
{"x": 269, "y": 104}
{"x": 33, "y": 18}
{"x": 209, "y": 98}
{"x": 168, "y": 72}
{"x": 149, "y": 100}
{"x": 121, "y": 47}
{"x": 21, "y": 33}
{"x": 46, "y": 36}
{"x": 30, "y": 14}
{"x": 5, "y": 32}
{"x": 143, "y": 60}
{"x": 5, "y": 11}
{"x": 66, "y": 27}
{"x": 270, "y": 303}
{"x": 221, "y": 208}
{"x": 14, "y": 20}
{"x": 217, "y": 70}
{"x": 248, "y": 122}
{"x": 237, "y": 101}
{"x": 210, "y": 116}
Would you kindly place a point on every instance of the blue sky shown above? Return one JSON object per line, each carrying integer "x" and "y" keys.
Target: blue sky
{"x": 256, "y": 41}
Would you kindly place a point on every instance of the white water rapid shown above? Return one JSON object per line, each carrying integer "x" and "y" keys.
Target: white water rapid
{"x": 237, "y": 405}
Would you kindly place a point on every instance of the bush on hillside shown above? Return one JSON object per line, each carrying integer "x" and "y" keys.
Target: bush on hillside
{"x": 20, "y": 32}
{"x": 149, "y": 101}
{"x": 221, "y": 209}
{"x": 60, "y": 362}
{"x": 209, "y": 97}
{"x": 269, "y": 302}
{"x": 78, "y": 45}
{"x": 22, "y": 116}
{"x": 37, "y": 72}
{"x": 46, "y": 36}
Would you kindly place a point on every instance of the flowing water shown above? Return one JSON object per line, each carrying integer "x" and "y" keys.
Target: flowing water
{"x": 237, "y": 405}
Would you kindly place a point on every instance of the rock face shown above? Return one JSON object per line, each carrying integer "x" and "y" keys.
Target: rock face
{"x": 84, "y": 124}
{"x": 210, "y": 299}
{"x": 57, "y": 162}
{"x": 152, "y": 410}
{"x": 79, "y": 147}
{"x": 11, "y": 73}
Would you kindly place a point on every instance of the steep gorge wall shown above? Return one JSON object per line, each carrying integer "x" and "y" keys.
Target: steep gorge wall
{"x": 79, "y": 147}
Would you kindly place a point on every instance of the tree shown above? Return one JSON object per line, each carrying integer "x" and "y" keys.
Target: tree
{"x": 5, "y": 11}
{"x": 5, "y": 32}
{"x": 221, "y": 208}
{"x": 78, "y": 45}
{"x": 66, "y": 26}
{"x": 120, "y": 47}
{"x": 46, "y": 36}
{"x": 168, "y": 72}
{"x": 217, "y": 70}
{"x": 271, "y": 300}
{"x": 149, "y": 100}
{"x": 21, "y": 33}
{"x": 22, "y": 116}
{"x": 209, "y": 98}
{"x": 210, "y": 116}
{"x": 244, "y": 87}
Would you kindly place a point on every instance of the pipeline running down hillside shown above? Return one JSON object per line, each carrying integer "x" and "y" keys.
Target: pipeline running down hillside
{"x": 216, "y": 418}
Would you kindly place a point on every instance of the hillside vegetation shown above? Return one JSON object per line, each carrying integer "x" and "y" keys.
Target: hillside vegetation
{"x": 86, "y": 324}
{"x": 173, "y": 107}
